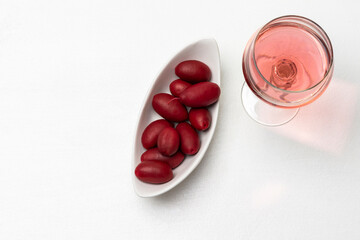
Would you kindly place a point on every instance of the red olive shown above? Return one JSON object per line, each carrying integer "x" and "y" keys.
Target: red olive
{"x": 189, "y": 139}
{"x": 169, "y": 107}
{"x": 200, "y": 118}
{"x": 178, "y": 86}
{"x": 200, "y": 95}
{"x": 168, "y": 141}
{"x": 152, "y": 131}
{"x": 154, "y": 172}
{"x": 193, "y": 71}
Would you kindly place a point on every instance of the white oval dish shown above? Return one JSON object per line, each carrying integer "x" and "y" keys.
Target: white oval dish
{"x": 207, "y": 52}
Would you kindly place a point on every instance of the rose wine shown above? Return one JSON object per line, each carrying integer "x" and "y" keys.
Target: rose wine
{"x": 289, "y": 62}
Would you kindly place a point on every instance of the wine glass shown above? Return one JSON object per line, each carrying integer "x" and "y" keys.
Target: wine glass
{"x": 287, "y": 64}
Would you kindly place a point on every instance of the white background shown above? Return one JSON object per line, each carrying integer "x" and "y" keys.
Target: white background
{"x": 73, "y": 75}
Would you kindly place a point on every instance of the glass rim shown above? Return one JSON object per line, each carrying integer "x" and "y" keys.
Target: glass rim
{"x": 329, "y": 48}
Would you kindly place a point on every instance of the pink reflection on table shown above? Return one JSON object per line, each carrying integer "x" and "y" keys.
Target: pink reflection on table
{"x": 326, "y": 123}
{"x": 267, "y": 195}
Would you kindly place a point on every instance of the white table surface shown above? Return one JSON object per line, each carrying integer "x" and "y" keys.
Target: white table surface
{"x": 73, "y": 77}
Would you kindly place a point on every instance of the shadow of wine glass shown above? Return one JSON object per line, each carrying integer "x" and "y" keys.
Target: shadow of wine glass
{"x": 326, "y": 123}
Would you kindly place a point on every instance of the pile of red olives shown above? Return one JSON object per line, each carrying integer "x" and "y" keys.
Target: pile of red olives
{"x": 166, "y": 143}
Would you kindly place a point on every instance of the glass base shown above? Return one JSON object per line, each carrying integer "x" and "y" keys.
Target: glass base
{"x": 264, "y": 113}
